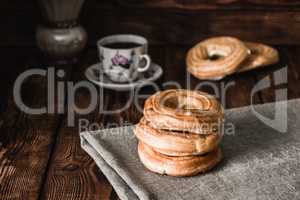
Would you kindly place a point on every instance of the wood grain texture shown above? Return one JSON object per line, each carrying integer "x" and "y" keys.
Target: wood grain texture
{"x": 210, "y": 5}
{"x": 166, "y": 22}
{"x": 72, "y": 174}
{"x": 27, "y": 146}
{"x": 190, "y": 28}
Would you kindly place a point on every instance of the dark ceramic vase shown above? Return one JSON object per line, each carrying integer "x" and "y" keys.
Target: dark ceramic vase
{"x": 61, "y": 37}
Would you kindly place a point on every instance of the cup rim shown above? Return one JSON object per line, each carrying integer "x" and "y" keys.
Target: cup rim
{"x": 122, "y": 38}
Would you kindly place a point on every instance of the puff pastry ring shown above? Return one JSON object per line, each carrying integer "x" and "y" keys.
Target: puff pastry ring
{"x": 215, "y": 58}
{"x": 177, "y": 166}
{"x": 174, "y": 143}
{"x": 184, "y": 110}
{"x": 260, "y": 55}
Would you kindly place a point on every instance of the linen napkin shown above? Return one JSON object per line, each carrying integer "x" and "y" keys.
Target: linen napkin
{"x": 259, "y": 161}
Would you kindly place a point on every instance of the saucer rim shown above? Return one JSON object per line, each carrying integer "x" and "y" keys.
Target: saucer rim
{"x": 122, "y": 86}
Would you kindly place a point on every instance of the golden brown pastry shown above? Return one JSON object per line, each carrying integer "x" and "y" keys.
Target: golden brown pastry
{"x": 177, "y": 166}
{"x": 216, "y": 57}
{"x": 260, "y": 55}
{"x": 175, "y": 143}
{"x": 184, "y": 110}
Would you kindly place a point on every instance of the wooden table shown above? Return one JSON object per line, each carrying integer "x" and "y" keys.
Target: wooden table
{"x": 40, "y": 156}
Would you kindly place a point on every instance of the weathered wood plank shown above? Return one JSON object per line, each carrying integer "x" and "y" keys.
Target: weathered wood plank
{"x": 167, "y": 21}
{"x": 72, "y": 174}
{"x": 178, "y": 5}
{"x": 25, "y": 153}
{"x": 193, "y": 5}
{"x": 189, "y": 28}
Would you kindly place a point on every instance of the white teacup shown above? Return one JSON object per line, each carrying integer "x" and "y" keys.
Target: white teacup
{"x": 124, "y": 56}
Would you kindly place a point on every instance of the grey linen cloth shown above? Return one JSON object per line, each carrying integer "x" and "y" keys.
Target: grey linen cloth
{"x": 259, "y": 162}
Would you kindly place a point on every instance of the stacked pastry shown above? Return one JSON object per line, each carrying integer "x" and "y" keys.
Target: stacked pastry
{"x": 180, "y": 132}
{"x": 214, "y": 58}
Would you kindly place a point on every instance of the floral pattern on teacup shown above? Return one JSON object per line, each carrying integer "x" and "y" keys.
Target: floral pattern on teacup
{"x": 120, "y": 60}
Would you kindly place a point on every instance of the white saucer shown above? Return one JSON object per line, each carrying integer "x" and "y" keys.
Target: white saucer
{"x": 95, "y": 74}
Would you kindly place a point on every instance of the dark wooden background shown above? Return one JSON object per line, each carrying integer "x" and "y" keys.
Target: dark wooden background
{"x": 165, "y": 22}
{"x": 40, "y": 156}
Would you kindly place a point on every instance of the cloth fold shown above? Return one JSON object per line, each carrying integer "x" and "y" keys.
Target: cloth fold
{"x": 259, "y": 161}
